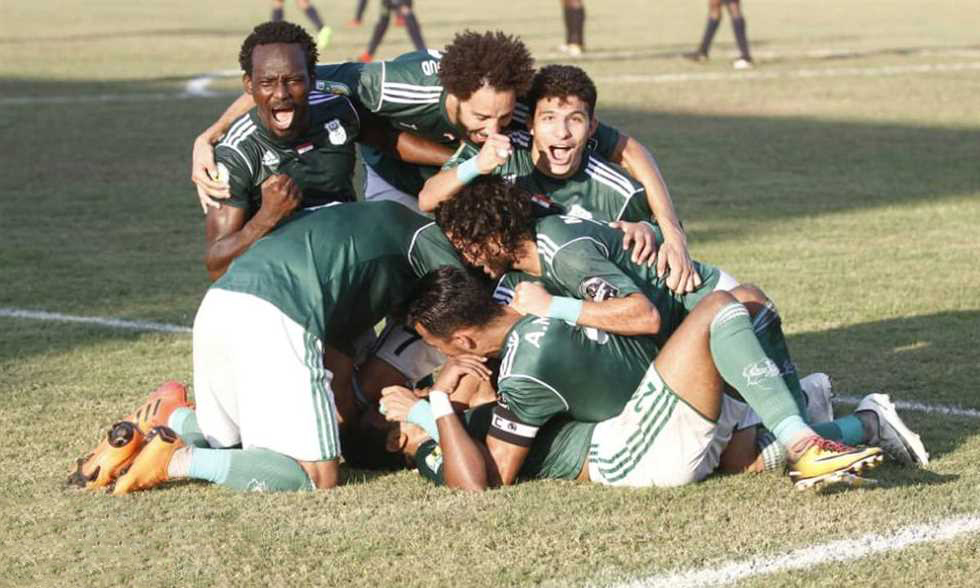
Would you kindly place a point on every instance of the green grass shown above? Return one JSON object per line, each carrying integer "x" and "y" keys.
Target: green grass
{"x": 854, "y": 200}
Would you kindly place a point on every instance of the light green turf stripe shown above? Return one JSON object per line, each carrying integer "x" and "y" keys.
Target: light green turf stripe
{"x": 310, "y": 359}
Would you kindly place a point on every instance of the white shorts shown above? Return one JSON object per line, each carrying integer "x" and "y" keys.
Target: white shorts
{"x": 259, "y": 380}
{"x": 659, "y": 440}
{"x": 407, "y": 352}
{"x": 377, "y": 188}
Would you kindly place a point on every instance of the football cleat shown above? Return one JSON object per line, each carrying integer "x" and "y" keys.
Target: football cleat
{"x": 365, "y": 57}
{"x": 743, "y": 63}
{"x": 161, "y": 403}
{"x": 114, "y": 453}
{"x": 893, "y": 436}
{"x": 696, "y": 56}
{"x": 818, "y": 390}
{"x": 824, "y": 460}
{"x": 149, "y": 469}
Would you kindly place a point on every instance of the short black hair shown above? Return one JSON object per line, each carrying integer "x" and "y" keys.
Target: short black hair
{"x": 488, "y": 210}
{"x": 281, "y": 31}
{"x": 448, "y": 299}
{"x": 493, "y": 58}
{"x": 563, "y": 82}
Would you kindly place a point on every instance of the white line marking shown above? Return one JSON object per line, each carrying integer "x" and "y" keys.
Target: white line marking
{"x": 93, "y": 320}
{"x": 199, "y": 87}
{"x": 835, "y": 551}
{"x": 773, "y": 74}
{"x": 920, "y": 407}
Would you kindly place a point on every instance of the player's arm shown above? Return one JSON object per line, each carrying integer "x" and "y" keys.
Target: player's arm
{"x": 203, "y": 169}
{"x": 461, "y": 170}
{"x": 378, "y": 133}
{"x": 673, "y": 256}
{"x": 227, "y": 232}
{"x": 633, "y": 314}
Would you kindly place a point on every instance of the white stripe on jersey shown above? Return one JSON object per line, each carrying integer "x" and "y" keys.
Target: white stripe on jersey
{"x": 521, "y": 113}
{"x": 602, "y": 246}
{"x": 547, "y": 247}
{"x": 507, "y": 363}
{"x": 234, "y": 135}
{"x": 321, "y": 97}
{"x": 536, "y": 381}
{"x": 502, "y": 294}
{"x": 610, "y": 177}
{"x": 236, "y": 128}
{"x": 411, "y": 246}
{"x": 413, "y": 88}
{"x": 521, "y": 138}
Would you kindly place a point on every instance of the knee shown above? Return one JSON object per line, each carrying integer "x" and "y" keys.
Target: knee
{"x": 750, "y": 293}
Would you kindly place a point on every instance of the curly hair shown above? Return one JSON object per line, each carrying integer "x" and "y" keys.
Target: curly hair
{"x": 448, "y": 299}
{"x": 563, "y": 81}
{"x": 488, "y": 211}
{"x": 271, "y": 32}
{"x": 493, "y": 58}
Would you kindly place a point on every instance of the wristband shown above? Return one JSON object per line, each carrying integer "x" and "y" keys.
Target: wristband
{"x": 467, "y": 171}
{"x": 564, "y": 308}
{"x": 440, "y": 404}
{"x": 421, "y": 415}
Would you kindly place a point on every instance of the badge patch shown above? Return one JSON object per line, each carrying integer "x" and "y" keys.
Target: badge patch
{"x": 304, "y": 148}
{"x": 597, "y": 289}
{"x": 332, "y": 87}
{"x": 270, "y": 160}
{"x": 336, "y": 131}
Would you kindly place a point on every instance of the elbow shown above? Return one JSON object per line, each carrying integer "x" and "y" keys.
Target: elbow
{"x": 214, "y": 266}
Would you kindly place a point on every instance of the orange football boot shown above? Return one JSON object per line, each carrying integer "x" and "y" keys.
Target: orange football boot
{"x": 149, "y": 469}
{"x": 168, "y": 397}
{"x": 114, "y": 453}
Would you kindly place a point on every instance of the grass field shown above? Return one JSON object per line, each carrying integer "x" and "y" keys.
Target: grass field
{"x": 842, "y": 175}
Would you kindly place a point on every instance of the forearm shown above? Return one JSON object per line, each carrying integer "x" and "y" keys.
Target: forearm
{"x": 240, "y": 106}
{"x": 632, "y": 315}
{"x": 414, "y": 149}
{"x": 439, "y": 188}
{"x": 464, "y": 463}
{"x": 640, "y": 164}
{"x": 222, "y": 251}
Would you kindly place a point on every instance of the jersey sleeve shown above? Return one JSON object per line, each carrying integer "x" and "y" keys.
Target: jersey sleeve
{"x": 605, "y": 140}
{"x": 430, "y": 249}
{"x": 235, "y": 164}
{"x": 584, "y": 268}
{"x": 636, "y": 208}
{"x": 524, "y": 404}
{"x": 404, "y": 86}
{"x": 503, "y": 291}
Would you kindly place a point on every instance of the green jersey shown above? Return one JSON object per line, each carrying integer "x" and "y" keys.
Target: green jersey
{"x": 550, "y": 368}
{"x": 408, "y": 92}
{"x": 321, "y": 160}
{"x": 339, "y": 270}
{"x": 585, "y": 259}
{"x": 599, "y": 189}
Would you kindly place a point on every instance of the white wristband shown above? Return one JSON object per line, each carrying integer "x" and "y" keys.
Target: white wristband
{"x": 440, "y": 404}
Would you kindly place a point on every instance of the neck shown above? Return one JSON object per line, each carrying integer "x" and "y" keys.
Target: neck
{"x": 495, "y": 333}
{"x": 528, "y": 260}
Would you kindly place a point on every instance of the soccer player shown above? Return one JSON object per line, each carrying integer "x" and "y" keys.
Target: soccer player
{"x": 574, "y": 13}
{"x": 403, "y": 10}
{"x": 469, "y": 94}
{"x": 294, "y": 150}
{"x": 734, "y": 7}
{"x": 259, "y": 339}
{"x": 670, "y": 429}
{"x": 323, "y": 31}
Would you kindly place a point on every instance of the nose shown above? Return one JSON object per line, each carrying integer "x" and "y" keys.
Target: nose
{"x": 562, "y": 130}
{"x": 280, "y": 90}
{"x": 492, "y": 128}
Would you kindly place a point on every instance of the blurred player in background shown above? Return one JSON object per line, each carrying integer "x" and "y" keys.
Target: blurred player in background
{"x": 744, "y": 60}
{"x": 403, "y": 13}
{"x": 574, "y": 12}
{"x": 358, "y": 14}
{"x": 323, "y": 31}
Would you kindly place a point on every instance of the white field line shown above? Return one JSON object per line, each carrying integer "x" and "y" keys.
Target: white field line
{"x": 775, "y": 74}
{"x": 93, "y": 320}
{"x": 919, "y": 407}
{"x": 808, "y": 557}
{"x": 199, "y": 87}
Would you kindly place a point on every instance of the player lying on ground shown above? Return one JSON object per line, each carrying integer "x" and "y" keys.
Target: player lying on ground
{"x": 552, "y": 368}
{"x": 260, "y": 336}
{"x": 294, "y": 150}
{"x": 470, "y": 93}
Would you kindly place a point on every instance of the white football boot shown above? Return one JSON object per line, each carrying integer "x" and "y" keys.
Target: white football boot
{"x": 900, "y": 443}
{"x": 818, "y": 390}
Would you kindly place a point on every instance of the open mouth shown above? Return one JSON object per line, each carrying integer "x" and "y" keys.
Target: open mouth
{"x": 282, "y": 118}
{"x": 560, "y": 154}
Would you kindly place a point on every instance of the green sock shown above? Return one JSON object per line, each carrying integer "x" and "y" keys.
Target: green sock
{"x": 184, "y": 422}
{"x": 768, "y": 327}
{"x": 743, "y": 364}
{"x": 258, "y": 470}
{"x": 849, "y": 430}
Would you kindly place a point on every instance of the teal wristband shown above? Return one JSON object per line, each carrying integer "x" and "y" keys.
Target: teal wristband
{"x": 564, "y": 308}
{"x": 466, "y": 172}
{"x": 421, "y": 415}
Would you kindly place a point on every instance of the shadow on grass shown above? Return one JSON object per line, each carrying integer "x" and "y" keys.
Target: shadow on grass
{"x": 886, "y": 477}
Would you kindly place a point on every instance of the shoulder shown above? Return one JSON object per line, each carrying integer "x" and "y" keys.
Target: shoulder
{"x": 239, "y": 147}
{"x": 410, "y": 79}
{"x": 562, "y": 233}
{"x": 611, "y": 176}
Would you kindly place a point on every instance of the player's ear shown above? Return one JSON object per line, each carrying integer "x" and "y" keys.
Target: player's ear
{"x": 247, "y": 84}
{"x": 593, "y": 125}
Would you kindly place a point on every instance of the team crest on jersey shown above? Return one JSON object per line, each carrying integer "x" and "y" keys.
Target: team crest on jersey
{"x": 336, "y": 132}
{"x": 434, "y": 459}
{"x": 270, "y": 160}
{"x": 597, "y": 289}
{"x": 329, "y": 87}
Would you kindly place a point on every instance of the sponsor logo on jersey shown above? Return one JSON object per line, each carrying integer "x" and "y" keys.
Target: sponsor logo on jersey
{"x": 270, "y": 160}
{"x": 333, "y": 87}
{"x": 755, "y": 373}
{"x": 304, "y": 148}
{"x": 336, "y": 132}
{"x": 597, "y": 290}
{"x": 409, "y": 126}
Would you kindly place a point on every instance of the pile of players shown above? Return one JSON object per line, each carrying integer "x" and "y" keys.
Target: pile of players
{"x": 593, "y": 348}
